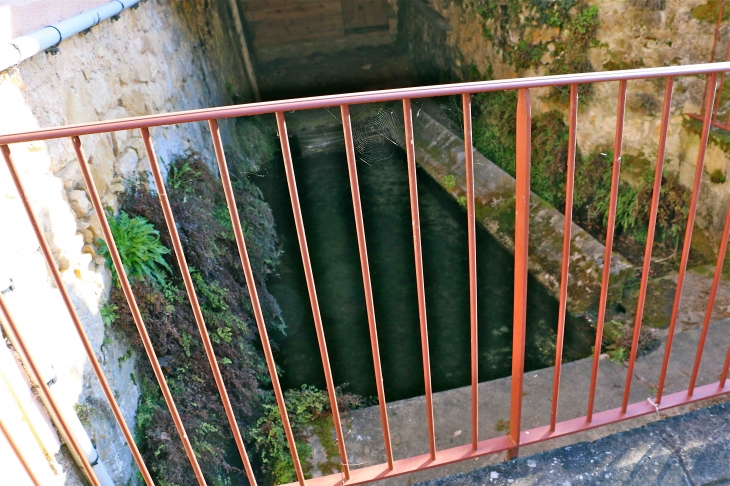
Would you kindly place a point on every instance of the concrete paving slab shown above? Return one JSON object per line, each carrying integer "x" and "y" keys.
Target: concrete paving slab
{"x": 682, "y": 359}
{"x": 452, "y": 412}
{"x": 691, "y": 449}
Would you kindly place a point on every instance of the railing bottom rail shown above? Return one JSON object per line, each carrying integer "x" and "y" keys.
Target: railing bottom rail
{"x": 528, "y": 437}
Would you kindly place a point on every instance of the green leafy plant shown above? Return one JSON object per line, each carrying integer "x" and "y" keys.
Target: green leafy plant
{"x": 140, "y": 248}
{"x": 673, "y": 208}
{"x": 108, "y": 313}
{"x": 626, "y": 219}
{"x": 180, "y": 175}
{"x": 619, "y": 355}
{"x": 618, "y": 341}
{"x": 122, "y": 359}
{"x": 186, "y": 341}
{"x": 305, "y": 406}
{"x": 225, "y": 302}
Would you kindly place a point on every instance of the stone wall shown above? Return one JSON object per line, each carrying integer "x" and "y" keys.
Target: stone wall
{"x": 628, "y": 36}
{"x": 163, "y": 56}
{"x": 426, "y": 35}
{"x": 301, "y": 29}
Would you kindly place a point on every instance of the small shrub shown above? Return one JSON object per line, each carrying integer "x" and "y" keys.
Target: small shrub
{"x": 225, "y": 302}
{"x": 304, "y": 406}
{"x": 717, "y": 177}
{"x": 618, "y": 340}
{"x": 139, "y": 247}
{"x": 626, "y": 219}
{"x": 673, "y": 208}
{"x": 494, "y": 127}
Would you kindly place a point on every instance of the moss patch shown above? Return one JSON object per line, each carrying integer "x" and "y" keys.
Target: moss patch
{"x": 708, "y": 12}
{"x": 718, "y": 137}
{"x": 324, "y": 429}
{"x": 448, "y": 182}
{"x": 84, "y": 413}
{"x": 658, "y": 305}
{"x": 501, "y": 425}
{"x": 717, "y": 176}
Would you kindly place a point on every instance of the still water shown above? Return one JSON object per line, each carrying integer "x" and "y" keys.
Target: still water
{"x": 326, "y": 201}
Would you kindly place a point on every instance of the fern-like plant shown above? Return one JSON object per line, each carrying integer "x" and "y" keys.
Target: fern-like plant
{"x": 139, "y": 246}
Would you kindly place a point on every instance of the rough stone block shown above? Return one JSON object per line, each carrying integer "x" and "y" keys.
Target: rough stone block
{"x": 79, "y": 203}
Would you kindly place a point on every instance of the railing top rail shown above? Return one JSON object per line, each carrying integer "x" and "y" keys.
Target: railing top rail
{"x": 268, "y": 107}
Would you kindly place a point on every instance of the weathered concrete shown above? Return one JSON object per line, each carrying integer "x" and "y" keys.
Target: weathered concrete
{"x": 452, "y": 408}
{"x": 441, "y": 153}
{"x": 692, "y": 449}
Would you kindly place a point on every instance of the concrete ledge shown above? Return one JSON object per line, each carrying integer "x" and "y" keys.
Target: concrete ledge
{"x": 441, "y": 153}
{"x": 452, "y": 409}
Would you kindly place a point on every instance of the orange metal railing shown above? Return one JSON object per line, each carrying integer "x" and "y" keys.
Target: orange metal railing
{"x": 515, "y": 437}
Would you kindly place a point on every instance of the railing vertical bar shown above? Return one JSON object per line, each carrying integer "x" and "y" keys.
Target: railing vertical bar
{"x": 236, "y": 224}
{"x": 718, "y": 96}
{"x": 311, "y": 289}
{"x": 21, "y": 458}
{"x": 472, "y": 235}
{"x": 714, "y": 46}
{"x": 565, "y": 264}
{"x": 717, "y": 31}
{"x": 710, "y": 303}
{"x": 706, "y": 124}
{"x": 416, "y": 226}
{"x": 254, "y": 295}
{"x": 367, "y": 285}
{"x": 649, "y": 240}
{"x": 522, "y": 233}
{"x": 54, "y": 411}
{"x": 722, "y": 80}
{"x": 621, "y": 110}
{"x": 725, "y": 367}
{"x": 88, "y": 349}
{"x": 193, "y": 298}
{"x": 131, "y": 301}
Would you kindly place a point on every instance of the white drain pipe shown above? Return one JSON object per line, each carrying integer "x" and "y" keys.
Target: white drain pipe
{"x": 70, "y": 417}
{"x": 21, "y": 48}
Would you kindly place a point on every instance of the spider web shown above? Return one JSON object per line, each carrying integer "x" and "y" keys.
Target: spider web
{"x": 377, "y": 133}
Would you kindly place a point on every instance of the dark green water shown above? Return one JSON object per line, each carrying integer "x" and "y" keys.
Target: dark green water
{"x": 326, "y": 201}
